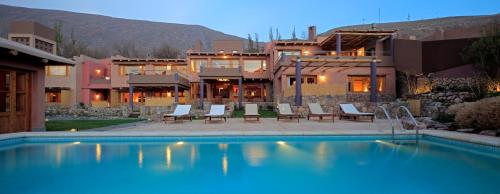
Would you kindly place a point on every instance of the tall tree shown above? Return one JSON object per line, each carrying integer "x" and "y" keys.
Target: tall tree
{"x": 278, "y": 35}
{"x": 294, "y": 36}
{"x": 271, "y": 37}
{"x": 166, "y": 51}
{"x": 485, "y": 52}
{"x": 250, "y": 43}
{"x": 257, "y": 48}
{"x": 58, "y": 37}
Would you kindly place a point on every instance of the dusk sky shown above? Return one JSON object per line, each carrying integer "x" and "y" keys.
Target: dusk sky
{"x": 257, "y": 16}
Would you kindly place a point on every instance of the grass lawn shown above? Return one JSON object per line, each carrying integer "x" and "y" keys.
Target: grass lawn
{"x": 65, "y": 125}
{"x": 263, "y": 113}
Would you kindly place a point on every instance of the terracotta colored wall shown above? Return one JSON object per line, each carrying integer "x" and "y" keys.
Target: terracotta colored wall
{"x": 443, "y": 54}
{"x": 408, "y": 55}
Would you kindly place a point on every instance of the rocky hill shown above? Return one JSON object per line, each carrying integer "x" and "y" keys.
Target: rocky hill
{"x": 423, "y": 28}
{"x": 107, "y": 34}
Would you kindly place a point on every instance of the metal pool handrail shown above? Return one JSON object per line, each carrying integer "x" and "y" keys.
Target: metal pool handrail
{"x": 388, "y": 118}
{"x": 411, "y": 117}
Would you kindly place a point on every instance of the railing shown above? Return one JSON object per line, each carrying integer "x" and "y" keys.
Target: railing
{"x": 388, "y": 118}
{"x": 411, "y": 118}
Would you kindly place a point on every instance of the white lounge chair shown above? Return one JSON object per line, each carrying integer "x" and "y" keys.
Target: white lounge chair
{"x": 285, "y": 111}
{"x": 181, "y": 111}
{"x": 216, "y": 111}
{"x": 315, "y": 110}
{"x": 349, "y": 111}
{"x": 251, "y": 111}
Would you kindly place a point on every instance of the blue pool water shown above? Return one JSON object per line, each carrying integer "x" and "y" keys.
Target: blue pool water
{"x": 246, "y": 165}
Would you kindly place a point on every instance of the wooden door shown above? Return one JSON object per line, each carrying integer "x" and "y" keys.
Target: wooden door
{"x": 14, "y": 101}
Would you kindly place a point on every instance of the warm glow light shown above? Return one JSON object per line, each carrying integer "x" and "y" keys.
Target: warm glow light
{"x": 222, "y": 80}
{"x": 97, "y": 96}
{"x": 322, "y": 77}
{"x": 169, "y": 94}
{"x": 98, "y": 71}
{"x": 252, "y": 93}
{"x": 333, "y": 53}
{"x": 98, "y": 153}
{"x": 193, "y": 155}
{"x": 169, "y": 67}
{"x": 179, "y": 143}
{"x": 306, "y": 52}
{"x": 385, "y": 143}
{"x": 73, "y": 130}
{"x": 365, "y": 89}
{"x": 224, "y": 164}
{"x": 140, "y": 156}
{"x": 498, "y": 87}
{"x": 225, "y": 57}
{"x": 76, "y": 143}
{"x": 281, "y": 143}
{"x": 107, "y": 78}
{"x": 223, "y": 146}
{"x": 168, "y": 156}
{"x": 58, "y": 155}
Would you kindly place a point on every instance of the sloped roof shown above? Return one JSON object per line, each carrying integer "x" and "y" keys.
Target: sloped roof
{"x": 11, "y": 45}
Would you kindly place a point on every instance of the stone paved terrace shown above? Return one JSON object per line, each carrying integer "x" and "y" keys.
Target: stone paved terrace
{"x": 267, "y": 126}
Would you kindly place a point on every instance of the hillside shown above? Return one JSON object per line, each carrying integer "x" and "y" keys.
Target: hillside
{"x": 106, "y": 34}
{"x": 422, "y": 28}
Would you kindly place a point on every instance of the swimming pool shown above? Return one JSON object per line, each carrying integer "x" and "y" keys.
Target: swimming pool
{"x": 332, "y": 164}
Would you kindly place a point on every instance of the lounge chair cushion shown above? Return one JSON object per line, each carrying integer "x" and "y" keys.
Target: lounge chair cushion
{"x": 180, "y": 110}
{"x": 251, "y": 110}
{"x": 350, "y": 109}
{"x": 216, "y": 110}
{"x": 285, "y": 109}
{"x": 316, "y": 109}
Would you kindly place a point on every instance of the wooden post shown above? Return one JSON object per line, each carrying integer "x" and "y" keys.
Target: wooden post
{"x": 176, "y": 88}
{"x": 373, "y": 81}
{"x": 298, "y": 83}
{"x": 130, "y": 93}
{"x": 240, "y": 93}
{"x": 339, "y": 44}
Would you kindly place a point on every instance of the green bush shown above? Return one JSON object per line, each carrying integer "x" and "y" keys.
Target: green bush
{"x": 483, "y": 114}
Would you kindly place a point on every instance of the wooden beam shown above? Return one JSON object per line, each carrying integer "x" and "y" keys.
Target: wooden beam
{"x": 339, "y": 60}
{"x": 315, "y": 68}
{"x": 306, "y": 65}
{"x": 350, "y": 67}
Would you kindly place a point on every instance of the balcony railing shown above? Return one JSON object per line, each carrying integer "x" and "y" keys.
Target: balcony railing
{"x": 100, "y": 80}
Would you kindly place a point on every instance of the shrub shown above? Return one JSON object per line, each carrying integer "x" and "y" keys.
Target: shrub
{"x": 483, "y": 114}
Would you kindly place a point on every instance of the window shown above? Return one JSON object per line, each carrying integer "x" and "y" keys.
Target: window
{"x": 4, "y": 91}
{"x": 162, "y": 69}
{"x": 127, "y": 69}
{"x": 53, "y": 96}
{"x": 21, "y": 89}
{"x": 310, "y": 79}
{"x": 225, "y": 63}
{"x": 289, "y": 53}
{"x": 56, "y": 70}
{"x": 195, "y": 64}
{"x": 362, "y": 83}
{"x": 254, "y": 66}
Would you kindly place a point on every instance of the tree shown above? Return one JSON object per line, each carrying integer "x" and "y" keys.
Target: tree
{"x": 166, "y": 51}
{"x": 278, "y": 35}
{"x": 271, "y": 37}
{"x": 485, "y": 52}
{"x": 126, "y": 49}
{"x": 58, "y": 37}
{"x": 250, "y": 43}
{"x": 294, "y": 36}
{"x": 257, "y": 48}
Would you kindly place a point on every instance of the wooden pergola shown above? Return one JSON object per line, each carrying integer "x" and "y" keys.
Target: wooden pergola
{"x": 353, "y": 39}
{"x": 314, "y": 63}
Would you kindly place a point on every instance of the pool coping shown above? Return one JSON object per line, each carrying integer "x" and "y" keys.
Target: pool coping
{"x": 464, "y": 137}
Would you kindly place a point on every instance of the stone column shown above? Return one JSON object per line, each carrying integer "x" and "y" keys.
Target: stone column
{"x": 202, "y": 92}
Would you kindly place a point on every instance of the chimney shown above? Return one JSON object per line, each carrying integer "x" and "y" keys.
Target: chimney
{"x": 312, "y": 33}
{"x": 197, "y": 45}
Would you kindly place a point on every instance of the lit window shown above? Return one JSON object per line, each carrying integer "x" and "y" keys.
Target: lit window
{"x": 225, "y": 63}
{"x": 127, "y": 69}
{"x": 195, "y": 64}
{"x": 362, "y": 83}
{"x": 254, "y": 66}
{"x": 56, "y": 70}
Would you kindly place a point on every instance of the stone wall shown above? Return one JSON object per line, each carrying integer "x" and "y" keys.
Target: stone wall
{"x": 448, "y": 91}
{"x": 84, "y": 112}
